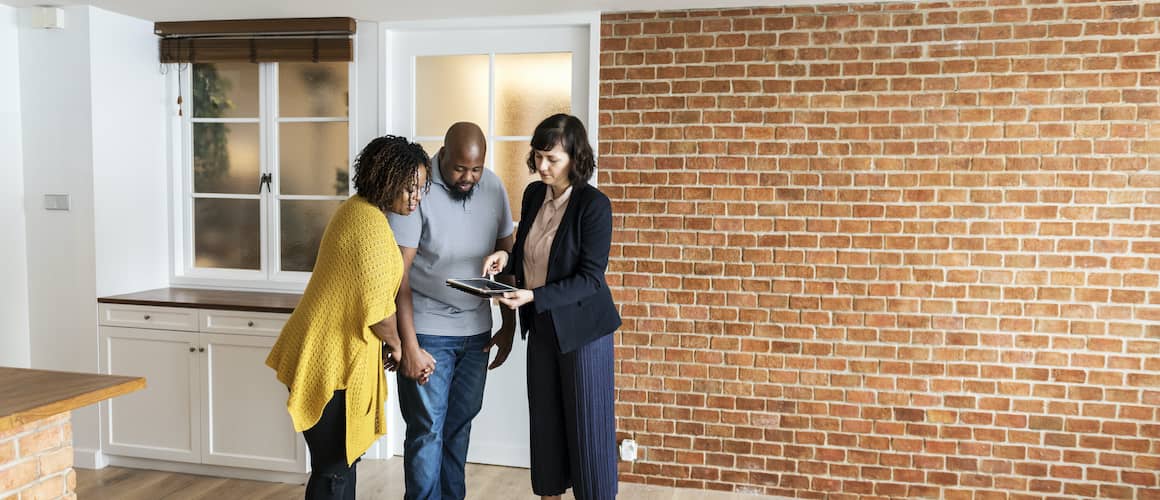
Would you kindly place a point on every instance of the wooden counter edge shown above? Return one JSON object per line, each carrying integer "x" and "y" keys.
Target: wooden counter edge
{"x": 220, "y": 306}
{"x": 65, "y": 405}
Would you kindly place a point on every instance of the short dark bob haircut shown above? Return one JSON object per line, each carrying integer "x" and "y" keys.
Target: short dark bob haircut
{"x": 386, "y": 169}
{"x": 568, "y": 132}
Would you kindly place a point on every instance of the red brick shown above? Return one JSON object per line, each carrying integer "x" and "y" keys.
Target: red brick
{"x": 848, "y": 259}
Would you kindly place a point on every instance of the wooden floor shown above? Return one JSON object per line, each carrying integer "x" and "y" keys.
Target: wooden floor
{"x": 376, "y": 479}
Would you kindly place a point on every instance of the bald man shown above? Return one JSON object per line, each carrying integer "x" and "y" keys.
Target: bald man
{"x": 464, "y": 218}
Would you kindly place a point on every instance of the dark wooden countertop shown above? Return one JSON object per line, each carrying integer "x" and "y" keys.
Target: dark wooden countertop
{"x": 229, "y": 300}
{"x": 30, "y": 395}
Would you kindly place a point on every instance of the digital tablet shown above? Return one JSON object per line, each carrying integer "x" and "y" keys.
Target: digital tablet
{"x": 482, "y": 287}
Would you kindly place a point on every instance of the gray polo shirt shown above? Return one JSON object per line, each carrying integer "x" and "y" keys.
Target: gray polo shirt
{"x": 452, "y": 238}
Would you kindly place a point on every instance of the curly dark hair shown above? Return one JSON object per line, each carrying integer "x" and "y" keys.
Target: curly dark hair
{"x": 567, "y": 131}
{"x": 386, "y": 169}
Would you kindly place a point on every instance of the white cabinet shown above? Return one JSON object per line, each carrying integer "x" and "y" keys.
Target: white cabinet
{"x": 244, "y": 407}
{"x": 156, "y": 318}
{"x": 161, "y": 421}
{"x": 209, "y": 396}
{"x": 243, "y": 323}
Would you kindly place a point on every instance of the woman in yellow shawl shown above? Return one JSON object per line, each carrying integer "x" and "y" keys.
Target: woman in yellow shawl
{"x": 331, "y": 352}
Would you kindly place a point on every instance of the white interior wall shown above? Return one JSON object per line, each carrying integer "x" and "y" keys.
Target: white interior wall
{"x": 130, "y": 172}
{"x": 15, "y": 348}
{"x": 93, "y": 123}
{"x": 58, "y": 159}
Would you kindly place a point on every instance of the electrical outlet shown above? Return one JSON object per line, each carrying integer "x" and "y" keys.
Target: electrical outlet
{"x": 628, "y": 450}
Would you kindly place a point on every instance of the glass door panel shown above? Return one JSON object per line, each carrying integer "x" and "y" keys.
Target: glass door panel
{"x": 529, "y": 88}
{"x": 450, "y": 89}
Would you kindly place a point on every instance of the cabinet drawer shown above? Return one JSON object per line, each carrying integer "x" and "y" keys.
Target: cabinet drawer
{"x": 158, "y": 318}
{"x": 248, "y": 323}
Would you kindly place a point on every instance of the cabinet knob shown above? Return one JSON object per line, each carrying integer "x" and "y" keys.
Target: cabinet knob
{"x": 192, "y": 349}
{"x": 146, "y": 316}
{"x": 250, "y": 323}
{"x": 200, "y": 349}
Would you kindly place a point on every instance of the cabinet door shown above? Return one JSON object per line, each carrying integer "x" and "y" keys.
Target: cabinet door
{"x": 161, "y": 421}
{"x": 246, "y": 422}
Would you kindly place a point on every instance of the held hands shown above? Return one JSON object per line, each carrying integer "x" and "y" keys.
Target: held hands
{"x": 417, "y": 364}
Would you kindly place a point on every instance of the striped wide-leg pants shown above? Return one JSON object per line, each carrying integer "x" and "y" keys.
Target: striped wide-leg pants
{"x": 573, "y": 423}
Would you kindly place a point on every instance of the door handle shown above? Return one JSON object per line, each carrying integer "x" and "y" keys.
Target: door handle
{"x": 266, "y": 180}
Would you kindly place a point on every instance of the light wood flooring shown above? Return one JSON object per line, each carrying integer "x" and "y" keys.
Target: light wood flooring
{"x": 376, "y": 479}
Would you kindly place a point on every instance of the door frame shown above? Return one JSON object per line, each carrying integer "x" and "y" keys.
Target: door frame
{"x": 589, "y": 20}
{"x": 392, "y": 443}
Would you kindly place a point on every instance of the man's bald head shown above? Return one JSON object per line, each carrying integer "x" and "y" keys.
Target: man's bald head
{"x": 462, "y": 157}
{"x": 466, "y": 137}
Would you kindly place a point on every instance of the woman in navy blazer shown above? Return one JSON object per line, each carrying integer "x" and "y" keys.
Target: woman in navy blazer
{"x": 567, "y": 314}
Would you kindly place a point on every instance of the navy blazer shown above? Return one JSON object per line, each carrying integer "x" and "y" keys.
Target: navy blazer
{"x": 575, "y": 301}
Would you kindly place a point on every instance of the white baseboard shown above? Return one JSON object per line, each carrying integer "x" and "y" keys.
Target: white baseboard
{"x": 208, "y": 470}
{"x": 87, "y": 458}
{"x": 496, "y": 453}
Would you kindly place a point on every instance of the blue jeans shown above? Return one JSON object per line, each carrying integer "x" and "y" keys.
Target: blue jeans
{"x": 438, "y": 416}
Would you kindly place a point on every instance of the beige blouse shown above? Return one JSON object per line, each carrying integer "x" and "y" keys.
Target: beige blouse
{"x": 538, "y": 246}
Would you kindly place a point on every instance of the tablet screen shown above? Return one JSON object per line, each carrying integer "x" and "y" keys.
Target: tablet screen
{"x": 485, "y": 284}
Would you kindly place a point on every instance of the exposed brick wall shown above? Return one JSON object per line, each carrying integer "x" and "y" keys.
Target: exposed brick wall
{"x": 888, "y": 249}
{"x": 36, "y": 461}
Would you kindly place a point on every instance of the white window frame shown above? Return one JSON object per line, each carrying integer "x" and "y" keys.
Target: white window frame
{"x": 270, "y": 276}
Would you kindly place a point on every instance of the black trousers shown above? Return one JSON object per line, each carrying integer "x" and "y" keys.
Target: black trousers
{"x": 330, "y": 477}
{"x": 573, "y": 422}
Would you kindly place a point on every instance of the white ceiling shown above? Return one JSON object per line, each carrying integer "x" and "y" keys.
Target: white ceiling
{"x": 386, "y": 10}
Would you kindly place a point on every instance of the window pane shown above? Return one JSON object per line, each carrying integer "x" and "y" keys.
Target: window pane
{"x": 225, "y": 158}
{"x": 313, "y": 89}
{"x": 431, "y": 147}
{"x": 314, "y": 158}
{"x": 450, "y": 89}
{"x": 511, "y": 165}
{"x": 225, "y": 90}
{"x": 303, "y": 222}
{"x": 529, "y": 88}
{"x": 226, "y": 233}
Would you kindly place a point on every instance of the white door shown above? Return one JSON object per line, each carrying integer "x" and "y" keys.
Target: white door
{"x": 505, "y": 78}
{"x": 246, "y": 423}
{"x": 161, "y": 421}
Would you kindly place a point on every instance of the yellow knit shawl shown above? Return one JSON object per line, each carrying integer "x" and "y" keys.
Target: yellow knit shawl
{"x": 327, "y": 344}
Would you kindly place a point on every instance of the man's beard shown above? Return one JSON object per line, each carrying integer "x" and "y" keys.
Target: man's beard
{"x": 461, "y": 195}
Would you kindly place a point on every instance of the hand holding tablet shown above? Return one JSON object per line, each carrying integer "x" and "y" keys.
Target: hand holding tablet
{"x": 509, "y": 296}
{"x": 480, "y": 287}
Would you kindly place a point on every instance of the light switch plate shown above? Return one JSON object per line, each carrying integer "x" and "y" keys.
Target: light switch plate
{"x": 56, "y": 202}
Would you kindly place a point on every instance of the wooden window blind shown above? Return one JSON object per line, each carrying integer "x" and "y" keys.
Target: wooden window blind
{"x": 257, "y": 40}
